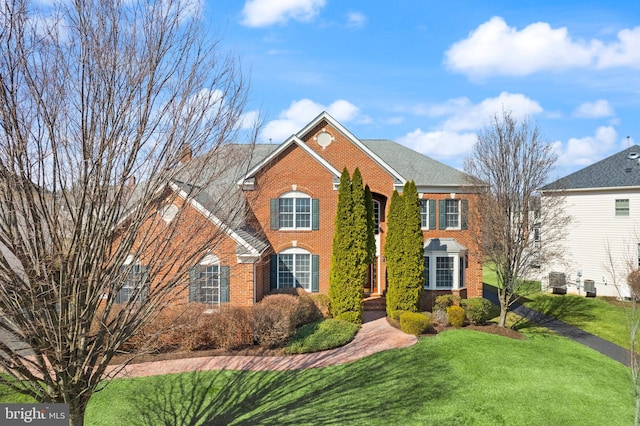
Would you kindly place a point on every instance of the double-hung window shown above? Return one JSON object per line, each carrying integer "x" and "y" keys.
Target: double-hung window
{"x": 209, "y": 282}
{"x": 295, "y": 268}
{"x": 428, "y": 214}
{"x": 294, "y": 210}
{"x": 453, "y": 214}
{"x": 136, "y": 283}
{"x": 622, "y": 207}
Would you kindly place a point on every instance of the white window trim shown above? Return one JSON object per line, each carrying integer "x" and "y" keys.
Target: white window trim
{"x": 446, "y": 215}
{"x": 207, "y": 261}
{"x": 426, "y": 203}
{"x": 457, "y": 258}
{"x": 296, "y": 251}
{"x": 296, "y": 195}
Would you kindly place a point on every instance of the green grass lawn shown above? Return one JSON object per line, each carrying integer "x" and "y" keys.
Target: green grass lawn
{"x": 458, "y": 377}
{"x": 608, "y": 319}
{"x": 604, "y": 318}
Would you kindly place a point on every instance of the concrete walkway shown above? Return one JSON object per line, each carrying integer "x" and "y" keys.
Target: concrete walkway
{"x": 375, "y": 335}
{"x": 605, "y": 347}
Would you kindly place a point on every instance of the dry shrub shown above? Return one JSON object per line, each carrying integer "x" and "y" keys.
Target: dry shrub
{"x": 275, "y": 318}
{"x": 230, "y": 328}
{"x": 633, "y": 281}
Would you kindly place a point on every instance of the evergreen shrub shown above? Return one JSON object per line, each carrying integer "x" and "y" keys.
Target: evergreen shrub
{"x": 446, "y": 300}
{"x": 414, "y": 323}
{"x": 455, "y": 315}
{"x": 477, "y": 309}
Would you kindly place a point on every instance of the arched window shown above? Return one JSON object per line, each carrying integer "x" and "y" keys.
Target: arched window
{"x": 294, "y": 210}
{"x": 209, "y": 282}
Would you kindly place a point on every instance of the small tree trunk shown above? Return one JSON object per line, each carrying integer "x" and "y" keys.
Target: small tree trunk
{"x": 502, "y": 322}
{"x": 77, "y": 408}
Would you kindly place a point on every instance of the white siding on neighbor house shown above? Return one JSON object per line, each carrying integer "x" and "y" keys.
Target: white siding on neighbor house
{"x": 596, "y": 232}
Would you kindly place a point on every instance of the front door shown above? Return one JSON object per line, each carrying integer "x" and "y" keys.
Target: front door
{"x": 371, "y": 284}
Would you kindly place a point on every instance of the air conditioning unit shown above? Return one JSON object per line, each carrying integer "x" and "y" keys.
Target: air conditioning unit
{"x": 558, "y": 282}
{"x": 590, "y": 288}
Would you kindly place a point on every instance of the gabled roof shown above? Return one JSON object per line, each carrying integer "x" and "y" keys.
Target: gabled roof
{"x": 620, "y": 170}
{"x": 282, "y": 147}
{"x": 297, "y": 139}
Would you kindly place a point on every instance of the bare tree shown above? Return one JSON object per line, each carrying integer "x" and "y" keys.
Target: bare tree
{"x": 625, "y": 274}
{"x": 520, "y": 231}
{"x": 101, "y": 105}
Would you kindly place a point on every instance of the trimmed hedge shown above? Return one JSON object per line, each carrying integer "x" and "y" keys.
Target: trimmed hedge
{"x": 477, "y": 309}
{"x": 456, "y": 316}
{"x": 414, "y": 323}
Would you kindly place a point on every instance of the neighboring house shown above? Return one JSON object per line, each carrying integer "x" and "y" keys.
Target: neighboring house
{"x": 603, "y": 240}
{"x": 286, "y": 200}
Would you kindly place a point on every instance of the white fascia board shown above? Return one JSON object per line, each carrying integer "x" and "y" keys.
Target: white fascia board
{"x": 215, "y": 220}
{"x": 292, "y": 140}
{"x": 603, "y": 189}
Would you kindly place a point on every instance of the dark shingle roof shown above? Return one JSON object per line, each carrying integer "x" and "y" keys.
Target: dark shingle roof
{"x": 411, "y": 165}
{"x": 618, "y": 170}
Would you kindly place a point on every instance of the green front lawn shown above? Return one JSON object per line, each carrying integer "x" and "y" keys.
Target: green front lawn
{"x": 458, "y": 377}
{"x": 608, "y": 319}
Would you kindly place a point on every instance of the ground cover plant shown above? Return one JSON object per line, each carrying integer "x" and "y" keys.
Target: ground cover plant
{"x": 547, "y": 379}
{"x": 321, "y": 335}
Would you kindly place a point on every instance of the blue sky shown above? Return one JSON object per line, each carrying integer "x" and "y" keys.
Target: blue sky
{"x": 429, "y": 74}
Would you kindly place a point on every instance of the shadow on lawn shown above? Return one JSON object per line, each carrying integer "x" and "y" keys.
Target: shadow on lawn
{"x": 395, "y": 383}
{"x": 567, "y": 308}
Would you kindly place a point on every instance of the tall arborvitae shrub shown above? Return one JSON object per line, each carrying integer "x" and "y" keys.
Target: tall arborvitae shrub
{"x": 404, "y": 251}
{"x": 412, "y": 267}
{"x": 346, "y": 276}
{"x": 393, "y": 251}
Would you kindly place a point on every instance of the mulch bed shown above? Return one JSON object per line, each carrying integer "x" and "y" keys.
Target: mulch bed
{"x": 259, "y": 351}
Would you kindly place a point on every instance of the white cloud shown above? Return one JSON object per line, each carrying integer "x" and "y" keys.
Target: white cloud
{"x": 439, "y": 143}
{"x": 455, "y": 135}
{"x": 461, "y": 114}
{"x": 356, "y": 20}
{"x": 580, "y": 152}
{"x": 494, "y": 48}
{"x": 623, "y": 53}
{"x": 598, "y": 109}
{"x": 301, "y": 112}
{"x": 263, "y": 13}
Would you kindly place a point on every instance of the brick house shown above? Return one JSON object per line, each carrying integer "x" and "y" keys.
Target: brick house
{"x": 288, "y": 198}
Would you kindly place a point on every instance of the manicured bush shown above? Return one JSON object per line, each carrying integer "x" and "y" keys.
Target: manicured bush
{"x": 477, "y": 310}
{"x": 395, "y": 315}
{"x": 275, "y": 318}
{"x": 455, "y": 315}
{"x": 446, "y": 300}
{"x": 414, "y": 323}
